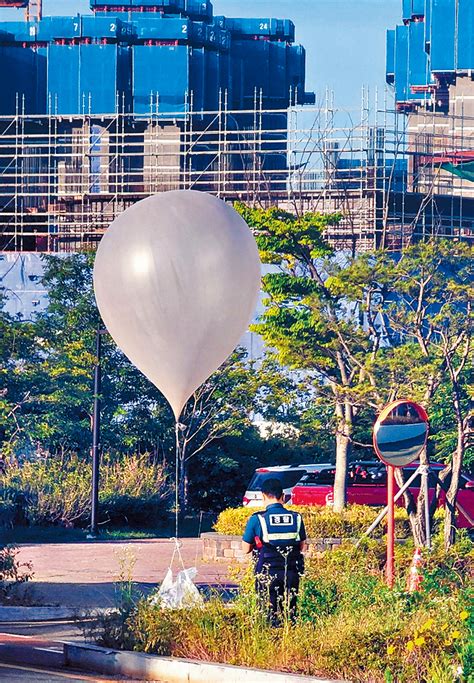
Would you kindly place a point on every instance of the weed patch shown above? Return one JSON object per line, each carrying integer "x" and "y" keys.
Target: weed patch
{"x": 350, "y": 624}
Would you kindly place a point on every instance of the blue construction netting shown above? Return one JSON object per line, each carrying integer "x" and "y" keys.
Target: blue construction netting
{"x": 242, "y": 57}
{"x": 433, "y": 46}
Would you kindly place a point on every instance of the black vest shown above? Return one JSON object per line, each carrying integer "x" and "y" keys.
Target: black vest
{"x": 281, "y": 538}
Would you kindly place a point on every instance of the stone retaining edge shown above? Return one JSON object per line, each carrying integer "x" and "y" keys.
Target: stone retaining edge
{"x": 11, "y": 614}
{"x": 223, "y": 548}
{"x": 171, "y": 670}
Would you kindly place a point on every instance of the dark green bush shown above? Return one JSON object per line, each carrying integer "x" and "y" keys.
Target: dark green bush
{"x": 143, "y": 511}
{"x": 13, "y": 504}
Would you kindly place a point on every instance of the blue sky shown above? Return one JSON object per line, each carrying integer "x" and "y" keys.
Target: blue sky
{"x": 344, "y": 39}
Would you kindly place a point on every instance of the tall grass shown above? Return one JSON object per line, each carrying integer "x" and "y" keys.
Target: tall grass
{"x": 350, "y": 624}
{"x": 55, "y": 491}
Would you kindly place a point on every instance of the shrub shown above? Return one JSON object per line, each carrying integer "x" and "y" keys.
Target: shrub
{"x": 133, "y": 490}
{"x": 323, "y": 522}
{"x": 12, "y": 573}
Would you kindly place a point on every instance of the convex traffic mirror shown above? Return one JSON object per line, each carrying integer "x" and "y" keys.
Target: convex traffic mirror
{"x": 400, "y": 433}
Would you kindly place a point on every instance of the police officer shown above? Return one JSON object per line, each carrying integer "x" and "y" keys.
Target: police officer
{"x": 278, "y": 536}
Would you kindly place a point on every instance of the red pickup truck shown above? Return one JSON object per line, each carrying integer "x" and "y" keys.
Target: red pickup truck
{"x": 367, "y": 485}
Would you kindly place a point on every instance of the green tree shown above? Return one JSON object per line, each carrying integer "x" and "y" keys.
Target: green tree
{"x": 49, "y": 365}
{"x": 54, "y": 375}
{"x": 17, "y": 343}
{"x": 226, "y": 405}
{"x": 369, "y": 329}
{"x": 431, "y": 322}
{"x": 319, "y": 320}
{"x": 417, "y": 306}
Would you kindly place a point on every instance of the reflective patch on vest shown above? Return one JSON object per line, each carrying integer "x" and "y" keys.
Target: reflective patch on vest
{"x": 280, "y": 536}
{"x": 281, "y": 520}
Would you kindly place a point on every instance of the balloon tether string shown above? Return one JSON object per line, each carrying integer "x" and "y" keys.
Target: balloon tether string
{"x": 176, "y": 525}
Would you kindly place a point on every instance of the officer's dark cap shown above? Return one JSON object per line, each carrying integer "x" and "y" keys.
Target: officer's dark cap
{"x": 272, "y": 487}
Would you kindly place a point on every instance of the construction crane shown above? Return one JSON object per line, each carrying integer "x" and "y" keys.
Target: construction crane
{"x": 33, "y": 8}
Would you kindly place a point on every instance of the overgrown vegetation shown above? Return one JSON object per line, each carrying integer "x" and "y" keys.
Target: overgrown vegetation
{"x": 54, "y": 491}
{"x": 351, "y": 625}
{"x": 12, "y": 574}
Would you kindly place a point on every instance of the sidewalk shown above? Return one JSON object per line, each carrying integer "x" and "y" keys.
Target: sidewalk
{"x": 83, "y": 574}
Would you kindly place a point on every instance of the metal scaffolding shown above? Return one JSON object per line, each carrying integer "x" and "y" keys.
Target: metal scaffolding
{"x": 64, "y": 179}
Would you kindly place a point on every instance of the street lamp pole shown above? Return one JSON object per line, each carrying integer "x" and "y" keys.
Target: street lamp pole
{"x": 96, "y": 436}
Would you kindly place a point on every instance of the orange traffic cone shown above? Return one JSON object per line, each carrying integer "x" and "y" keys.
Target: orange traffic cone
{"x": 414, "y": 577}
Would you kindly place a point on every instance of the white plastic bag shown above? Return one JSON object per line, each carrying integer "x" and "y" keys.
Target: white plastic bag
{"x": 178, "y": 594}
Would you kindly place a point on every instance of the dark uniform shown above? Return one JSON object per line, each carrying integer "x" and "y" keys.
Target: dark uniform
{"x": 277, "y": 534}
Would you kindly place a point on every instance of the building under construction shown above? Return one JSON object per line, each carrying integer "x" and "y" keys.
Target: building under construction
{"x": 430, "y": 62}
{"x": 142, "y": 96}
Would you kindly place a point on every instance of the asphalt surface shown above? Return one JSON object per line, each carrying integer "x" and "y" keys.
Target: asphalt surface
{"x": 85, "y": 575}
{"x": 47, "y": 634}
{"x": 15, "y": 672}
{"x": 71, "y": 631}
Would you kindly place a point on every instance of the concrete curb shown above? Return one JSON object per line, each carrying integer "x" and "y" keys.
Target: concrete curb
{"x": 171, "y": 670}
{"x": 18, "y": 614}
{"x": 47, "y": 656}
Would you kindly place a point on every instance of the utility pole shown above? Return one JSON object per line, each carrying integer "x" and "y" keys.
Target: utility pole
{"x": 94, "y": 531}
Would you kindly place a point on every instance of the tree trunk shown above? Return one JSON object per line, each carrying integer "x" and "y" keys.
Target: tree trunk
{"x": 458, "y": 455}
{"x": 437, "y": 491}
{"x": 417, "y": 525}
{"x": 451, "y": 496}
{"x": 418, "y": 522}
{"x": 416, "y": 510}
{"x": 343, "y": 447}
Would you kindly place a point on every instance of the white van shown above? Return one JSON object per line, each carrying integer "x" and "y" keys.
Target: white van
{"x": 289, "y": 475}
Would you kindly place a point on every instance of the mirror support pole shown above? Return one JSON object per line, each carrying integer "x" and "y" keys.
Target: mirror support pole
{"x": 390, "y": 573}
{"x": 426, "y": 492}
{"x": 384, "y": 512}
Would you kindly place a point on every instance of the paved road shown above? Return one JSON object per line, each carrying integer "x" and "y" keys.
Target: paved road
{"x": 71, "y": 631}
{"x": 85, "y": 574}
{"x": 22, "y": 645}
{"x": 13, "y": 673}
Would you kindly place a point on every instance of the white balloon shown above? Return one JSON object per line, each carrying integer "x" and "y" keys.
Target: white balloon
{"x": 176, "y": 279}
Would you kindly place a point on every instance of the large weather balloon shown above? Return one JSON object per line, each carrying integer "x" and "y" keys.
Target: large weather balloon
{"x": 176, "y": 278}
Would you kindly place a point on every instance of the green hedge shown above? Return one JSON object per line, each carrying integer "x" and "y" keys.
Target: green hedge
{"x": 323, "y": 522}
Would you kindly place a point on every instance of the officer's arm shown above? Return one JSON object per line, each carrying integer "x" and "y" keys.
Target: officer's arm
{"x": 248, "y": 537}
{"x": 303, "y": 544}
